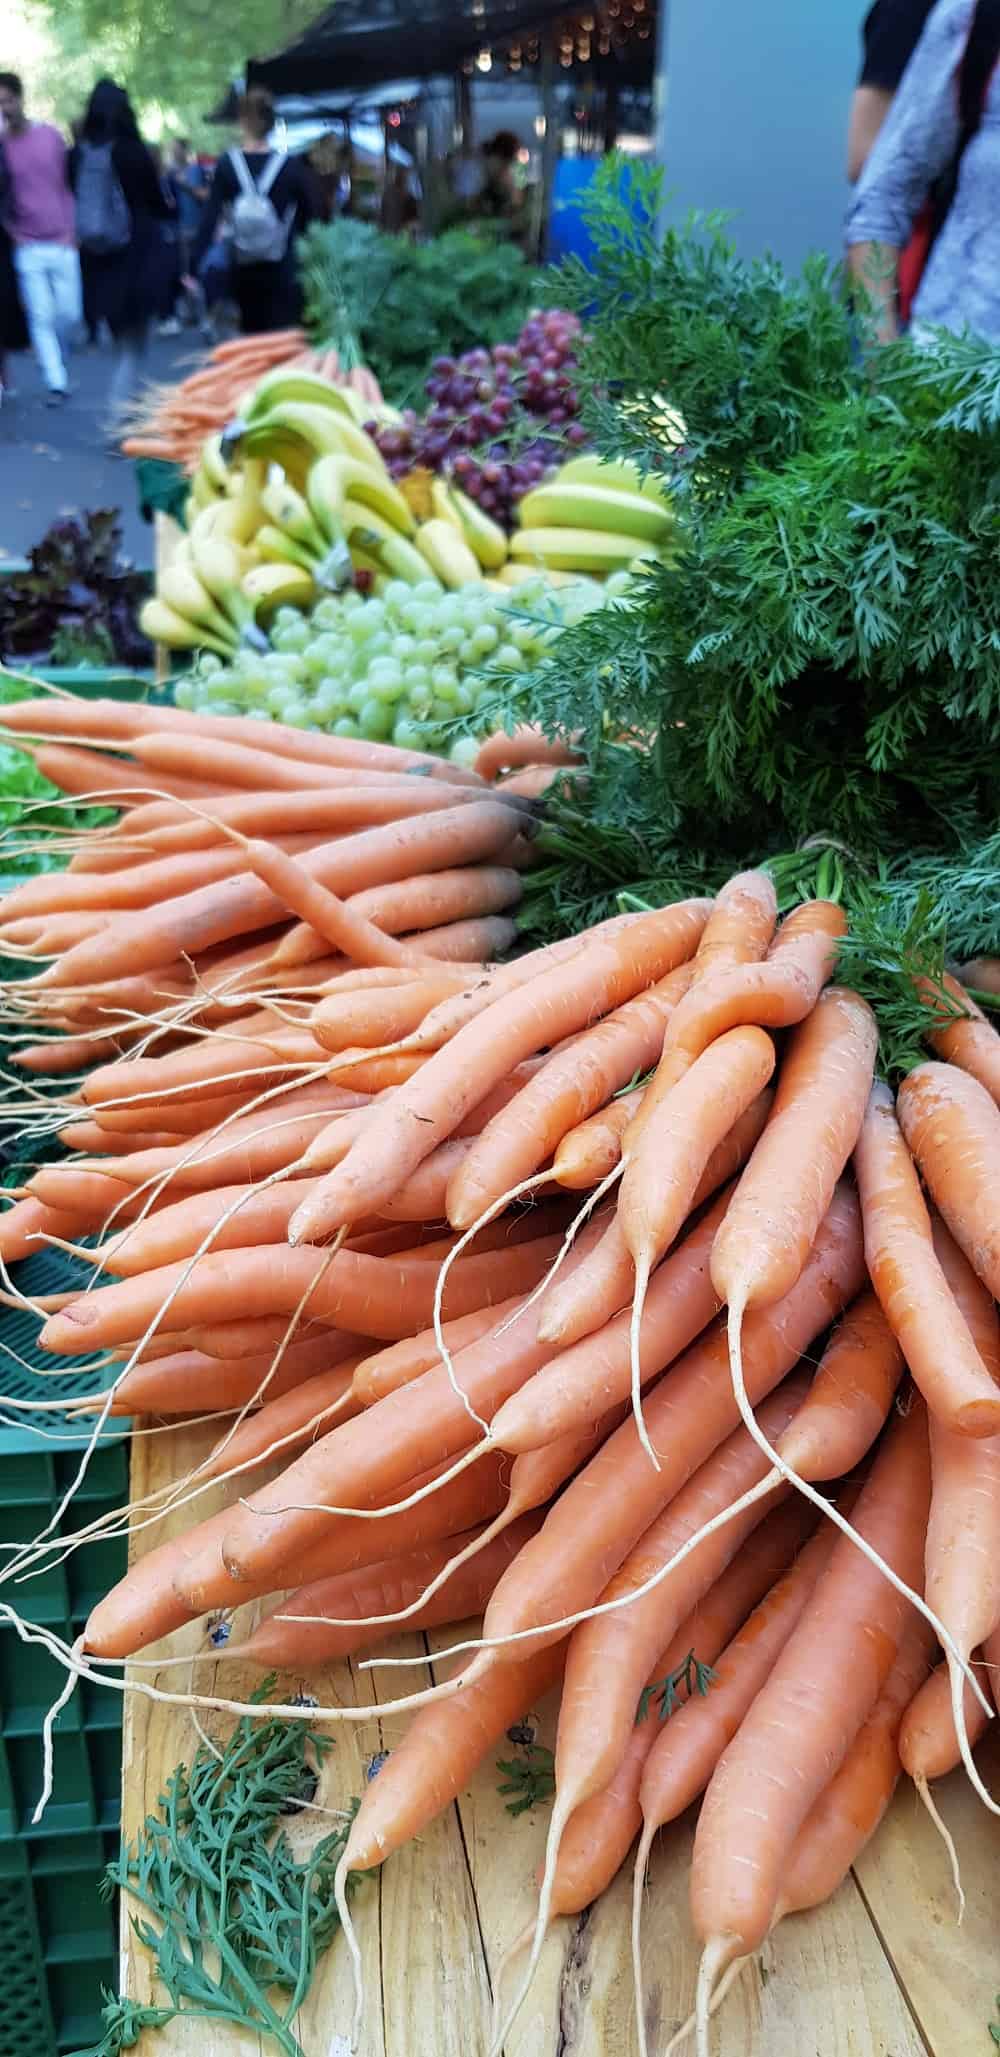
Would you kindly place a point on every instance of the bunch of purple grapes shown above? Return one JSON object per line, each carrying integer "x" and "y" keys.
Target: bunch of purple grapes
{"x": 500, "y": 419}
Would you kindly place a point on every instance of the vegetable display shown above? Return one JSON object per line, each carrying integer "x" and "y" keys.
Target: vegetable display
{"x": 719, "y": 1410}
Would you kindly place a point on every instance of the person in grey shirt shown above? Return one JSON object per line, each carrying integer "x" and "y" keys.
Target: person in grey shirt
{"x": 942, "y": 133}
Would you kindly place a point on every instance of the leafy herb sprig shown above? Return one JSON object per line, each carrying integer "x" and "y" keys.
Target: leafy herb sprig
{"x": 670, "y": 1692}
{"x": 531, "y": 1778}
{"x": 230, "y": 1916}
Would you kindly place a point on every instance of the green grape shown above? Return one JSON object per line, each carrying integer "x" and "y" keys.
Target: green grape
{"x": 406, "y": 734}
{"x": 420, "y": 698}
{"x": 508, "y": 658}
{"x": 464, "y": 701}
{"x": 350, "y": 600}
{"x": 277, "y": 697}
{"x": 452, "y": 637}
{"x": 209, "y": 665}
{"x": 285, "y": 617}
{"x": 427, "y": 649}
{"x": 464, "y": 751}
{"x": 417, "y": 676}
{"x": 522, "y": 635}
{"x": 397, "y": 593}
{"x": 403, "y": 647}
{"x": 484, "y": 639}
{"x": 184, "y": 693}
{"x": 426, "y": 590}
{"x": 329, "y": 702}
{"x": 445, "y": 682}
{"x": 345, "y": 726}
{"x": 375, "y": 720}
{"x": 298, "y": 715}
{"x": 326, "y": 613}
{"x": 379, "y": 645}
{"x": 357, "y": 695}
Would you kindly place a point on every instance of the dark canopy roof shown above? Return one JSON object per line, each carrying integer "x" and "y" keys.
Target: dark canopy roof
{"x": 359, "y": 43}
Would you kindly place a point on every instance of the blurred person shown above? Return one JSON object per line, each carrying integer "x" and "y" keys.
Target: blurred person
{"x": 13, "y": 328}
{"x": 189, "y": 187}
{"x": 120, "y": 215}
{"x": 272, "y": 199}
{"x": 941, "y": 138}
{"x": 41, "y": 228}
{"x": 889, "y": 36}
{"x": 169, "y": 268}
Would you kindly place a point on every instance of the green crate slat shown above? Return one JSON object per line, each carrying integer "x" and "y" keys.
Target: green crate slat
{"x": 57, "y": 1941}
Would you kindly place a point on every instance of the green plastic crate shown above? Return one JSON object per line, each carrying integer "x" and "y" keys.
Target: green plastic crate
{"x": 57, "y": 1941}
{"x": 97, "y": 682}
{"x": 58, "y": 1946}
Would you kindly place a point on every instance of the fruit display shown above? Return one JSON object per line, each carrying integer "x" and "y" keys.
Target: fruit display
{"x": 499, "y": 419}
{"x": 400, "y": 665}
{"x": 172, "y": 422}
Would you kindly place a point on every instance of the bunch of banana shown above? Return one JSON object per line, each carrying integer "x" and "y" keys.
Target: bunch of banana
{"x": 294, "y": 417}
{"x": 200, "y": 600}
{"x": 593, "y": 516}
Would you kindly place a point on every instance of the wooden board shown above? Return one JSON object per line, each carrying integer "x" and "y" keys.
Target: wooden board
{"x": 883, "y": 1971}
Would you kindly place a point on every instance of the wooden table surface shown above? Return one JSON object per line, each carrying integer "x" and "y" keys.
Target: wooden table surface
{"x": 883, "y": 1970}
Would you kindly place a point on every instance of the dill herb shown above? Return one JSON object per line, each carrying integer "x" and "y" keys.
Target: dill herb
{"x": 231, "y": 1918}
{"x": 669, "y": 1693}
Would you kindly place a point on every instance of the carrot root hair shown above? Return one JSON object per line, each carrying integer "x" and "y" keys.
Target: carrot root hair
{"x": 716, "y": 1958}
{"x": 737, "y": 1308}
{"x": 560, "y": 1816}
{"x": 729, "y": 1978}
{"x": 638, "y": 1887}
{"x": 946, "y": 1837}
{"x": 957, "y": 1683}
{"x": 349, "y": 1932}
{"x": 483, "y": 1220}
{"x": 642, "y": 1270}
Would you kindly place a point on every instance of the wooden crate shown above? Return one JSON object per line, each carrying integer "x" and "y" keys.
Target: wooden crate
{"x": 883, "y": 1970}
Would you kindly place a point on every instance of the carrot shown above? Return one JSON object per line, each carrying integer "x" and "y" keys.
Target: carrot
{"x": 198, "y": 920}
{"x": 431, "y": 899}
{"x": 525, "y": 745}
{"x": 424, "y": 1113}
{"x": 738, "y": 931}
{"x": 250, "y": 1148}
{"x": 914, "y": 1293}
{"x": 90, "y": 774}
{"x": 185, "y": 1576}
{"x": 569, "y": 1087}
{"x": 600, "y": 1518}
{"x": 339, "y": 923}
{"x": 953, "y": 1129}
{"x": 814, "y": 1124}
{"x": 178, "y": 1230}
{"x": 304, "y": 1630}
{"x": 24, "y": 1226}
{"x": 848, "y": 1811}
{"x": 982, "y": 974}
{"x": 598, "y": 1834}
{"x": 849, "y": 1398}
{"x": 803, "y": 1721}
{"x": 928, "y": 1740}
{"x": 425, "y": 1423}
{"x": 609, "y": 1656}
{"x": 595, "y": 1372}
{"x": 775, "y": 993}
{"x": 966, "y": 1039}
{"x": 201, "y": 1071}
{"x": 368, "y": 1294}
{"x": 286, "y": 1419}
{"x": 664, "y": 1165}
{"x": 188, "y": 1381}
{"x": 168, "y": 831}
{"x": 397, "y": 1365}
{"x": 239, "y": 764}
{"x": 175, "y": 1114}
{"x": 348, "y": 1019}
{"x": 962, "y": 1556}
{"x": 590, "y": 1151}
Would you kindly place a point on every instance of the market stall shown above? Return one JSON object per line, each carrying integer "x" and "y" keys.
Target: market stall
{"x": 522, "y": 1055}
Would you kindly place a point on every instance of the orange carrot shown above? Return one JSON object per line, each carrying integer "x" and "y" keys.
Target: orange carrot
{"x": 379, "y": 1015}
{"x": 304, "y": 1630}
{"x": 188, "y": 1381}
{"x": 914, "y": 1293}
{"x": 849, "y": 1398}
{"x": 809, "y": 1710}
{"x": 588, "y": 1152}
{"x": 775, "y": 993}
{"x": 556, "y": 1003}
{"x": 524, "y": 745}
{"x": 431, "y": 899}
{"x": 966, "y": 1039}
{"x": 953, "y": 1129}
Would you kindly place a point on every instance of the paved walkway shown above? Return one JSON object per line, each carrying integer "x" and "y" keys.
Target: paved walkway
{"x": 53, "y": 462}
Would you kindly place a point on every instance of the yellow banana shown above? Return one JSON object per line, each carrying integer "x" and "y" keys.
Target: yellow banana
{"x": 485, "y": 538}
{"x": 447, "y": 553}
{"x": 320, "y": 430}
{"x": 214, "y": 465}
{"x": 372, "y": 537}
{"x": 270, "y": 586}
{"x": 221, "y": 566}
{"x": 182, "y": 589}
{"x": 162, "y": 624}
{"x": 203, "y": 493}
{"x": 573, "y": 549}
{"x": 443, "y": 504}
{"x": 559, "y": 505}
{"x": 618, "y": 472}
{"x": 333, "y": 480}
{"x": 288, "y": 510}
{"x": 287, "y": 384}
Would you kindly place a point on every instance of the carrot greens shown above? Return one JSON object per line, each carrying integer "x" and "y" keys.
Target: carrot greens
{"x": 229, "y": 1914}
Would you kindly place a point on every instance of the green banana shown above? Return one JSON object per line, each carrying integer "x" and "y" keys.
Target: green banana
{"x": 332, "y": 480}
{"x": 276, "y": 546}
{"x": 558, "y": 505}
{"x": 278, "y": 585}
{"x": 182, "y": 589}
{"x": 213, "y": 464}
{"x": 447, "y": 553}
{"x": 369, "y": 534}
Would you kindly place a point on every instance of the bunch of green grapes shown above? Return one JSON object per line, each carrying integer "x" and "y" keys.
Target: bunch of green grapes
{"x": 397, "y": 667}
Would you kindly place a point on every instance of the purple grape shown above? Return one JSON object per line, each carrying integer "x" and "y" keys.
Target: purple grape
{"x": 576, "y": 434}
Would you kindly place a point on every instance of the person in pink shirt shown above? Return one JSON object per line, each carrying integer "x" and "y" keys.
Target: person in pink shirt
{"x": 41, "y": 224}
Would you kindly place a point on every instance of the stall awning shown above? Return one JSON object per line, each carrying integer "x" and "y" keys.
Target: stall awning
{"x": 359, "y": 43}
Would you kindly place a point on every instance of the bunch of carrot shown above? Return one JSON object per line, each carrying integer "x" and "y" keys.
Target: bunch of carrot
{"x": 746, "y": 1402}
{"x": 173, "y": 421}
